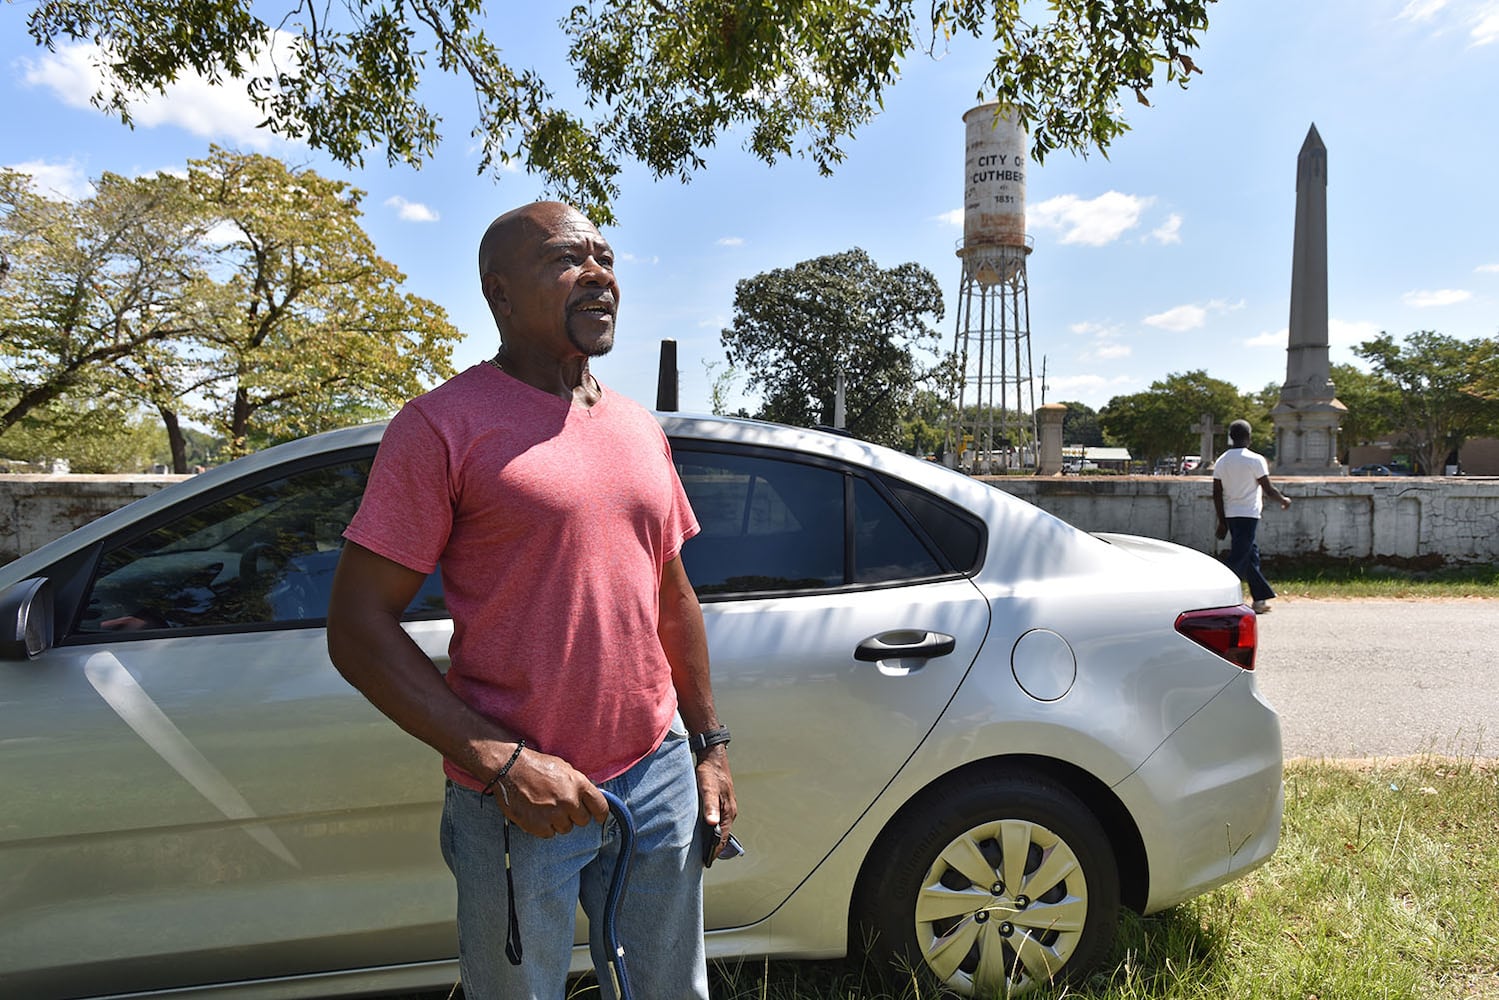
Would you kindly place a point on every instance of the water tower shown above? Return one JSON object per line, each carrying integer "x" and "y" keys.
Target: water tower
{"x": 992, "y": 426}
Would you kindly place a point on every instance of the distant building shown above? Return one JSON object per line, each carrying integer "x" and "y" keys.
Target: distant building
{"x": 1477, "y": 457}
{"x": 1076, "y": 457}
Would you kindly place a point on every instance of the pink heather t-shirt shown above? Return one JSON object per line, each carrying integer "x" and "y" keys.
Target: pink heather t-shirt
{"x": 552, "y": 523}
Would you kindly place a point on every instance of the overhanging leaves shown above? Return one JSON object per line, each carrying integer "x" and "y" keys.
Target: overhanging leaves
{"x": 661, "y": 80}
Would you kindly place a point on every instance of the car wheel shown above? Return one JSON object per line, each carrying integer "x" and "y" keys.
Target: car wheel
{"x": 995, "y": 886}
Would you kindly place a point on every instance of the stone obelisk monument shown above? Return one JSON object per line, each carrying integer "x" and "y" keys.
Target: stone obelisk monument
{"x": 1308, "y": 414}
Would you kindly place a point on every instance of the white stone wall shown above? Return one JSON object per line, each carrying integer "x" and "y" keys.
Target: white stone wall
{"x": 34, "y": 509}
{"x": 1436, "y": 520}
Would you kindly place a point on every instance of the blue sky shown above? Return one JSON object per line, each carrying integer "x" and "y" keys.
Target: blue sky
{"x": 1172, "y": 254}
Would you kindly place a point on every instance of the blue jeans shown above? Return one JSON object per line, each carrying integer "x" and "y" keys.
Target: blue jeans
{"x": 1244, "y": 556}
{"x": 660, "y": 923}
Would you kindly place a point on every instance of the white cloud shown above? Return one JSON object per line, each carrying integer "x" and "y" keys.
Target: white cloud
{"x": 1105, "y": 345}
{"x": 1108, "y": 351}
{"x": 1422, "y": 299}
{"x": 75, "y": 73}
{"x": 1270, "y": 338}
{"x": 1089, "y": 389}
{"x": 1179, "y": 320}
{"x": 731, "y": 241}
{"x": 1169, "y": 231}
{"x": 1486, "y": 25}
{"x": 953, "y": 218}
{"x": 636, "y": 259}
{"x": 1094, "y": 223}
{"x": 411, "y": 211}
{"x": 1182, "y": 318}
{"x": 1090, "y": 329}
{"x": 1223, "y": 305}
{"x": 1479, "y": 17}
{"x": 1487, "y": 269}
{"x": 61, "y": 180}
{"x": 1420, "y": 10}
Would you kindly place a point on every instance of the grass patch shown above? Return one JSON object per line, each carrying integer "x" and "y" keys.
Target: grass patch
{"x": 1355, "y": 580}
{"x": 1384, "y": 887}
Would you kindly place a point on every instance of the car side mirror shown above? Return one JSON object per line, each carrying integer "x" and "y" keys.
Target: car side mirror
{"x": 25, "y": 619}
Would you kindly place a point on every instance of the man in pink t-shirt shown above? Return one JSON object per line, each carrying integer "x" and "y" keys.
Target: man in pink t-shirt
{"x": 579, "y": 657}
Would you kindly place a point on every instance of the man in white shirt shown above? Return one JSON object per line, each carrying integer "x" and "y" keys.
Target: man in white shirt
{"x": 1240, "y": 476}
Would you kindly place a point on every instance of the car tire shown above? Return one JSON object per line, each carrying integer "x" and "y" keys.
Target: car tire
{"x": 935, "y": 895}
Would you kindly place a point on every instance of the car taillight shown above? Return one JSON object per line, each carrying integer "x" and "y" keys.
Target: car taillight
{"x": 1229, "y": 632}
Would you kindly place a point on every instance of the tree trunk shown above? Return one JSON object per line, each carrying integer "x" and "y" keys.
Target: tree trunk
{"x": 239, "y": 423}
{"x": 175, "y": 439}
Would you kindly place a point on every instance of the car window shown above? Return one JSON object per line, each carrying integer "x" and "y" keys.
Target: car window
{"x": 774, "y": 525}
{"x": 958, "y": 534}
{"x": 884, "y": 547}
{"x": 261, "y": 556}
{"x": 767, "y": 525}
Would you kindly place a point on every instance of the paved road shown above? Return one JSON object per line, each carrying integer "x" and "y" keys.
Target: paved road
{"x": 1383, "y": 678}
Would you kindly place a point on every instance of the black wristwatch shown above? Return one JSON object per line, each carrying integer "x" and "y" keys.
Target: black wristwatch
{"x": 708, "y": 739}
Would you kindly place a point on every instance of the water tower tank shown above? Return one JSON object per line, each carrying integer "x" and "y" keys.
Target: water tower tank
{"x": 994, "y": 188}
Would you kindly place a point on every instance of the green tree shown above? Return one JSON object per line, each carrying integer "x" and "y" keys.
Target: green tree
{"x": 1485, "y": 362}
{"x": 1370, "y": 398}
{"x": 90, "y": 436}
{"x": 923, "y": 425}
{"x": 660, "y": 81}
{"x": 721, "y": 378}
{"x": 1256, "y": 408}
{"x": 1080, "y": 425}
{"x": 132, "y": 297}
{"x": 796, "y": 328}
{"x": 1438, "y": 402}
{"x": 1157, "y": 423}
{"x": 92, "y": 283}
{"x": 309, "y": 329}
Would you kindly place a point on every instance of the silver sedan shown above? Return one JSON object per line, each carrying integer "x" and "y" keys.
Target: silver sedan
{"x": 965, "y": 733}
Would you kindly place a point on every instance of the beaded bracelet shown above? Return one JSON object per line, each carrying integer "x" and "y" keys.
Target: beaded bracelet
{"x": 489, "y": 788}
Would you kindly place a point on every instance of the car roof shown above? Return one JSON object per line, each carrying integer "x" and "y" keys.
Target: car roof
{"x": 992, "y": 504}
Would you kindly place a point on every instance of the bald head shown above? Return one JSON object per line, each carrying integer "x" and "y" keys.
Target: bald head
{"x": 518, "y": 228}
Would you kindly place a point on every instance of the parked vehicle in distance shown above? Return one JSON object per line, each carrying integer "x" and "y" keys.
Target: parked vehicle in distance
{"x": 1079, "y": 465}
{"x": 1374, "y": 470}
{"x": 965, "y": 733}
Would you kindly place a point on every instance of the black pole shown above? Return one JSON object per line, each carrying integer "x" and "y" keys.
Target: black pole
{"x": 666, "y": 379}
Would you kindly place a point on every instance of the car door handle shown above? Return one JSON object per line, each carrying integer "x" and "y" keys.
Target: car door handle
{"x": 904, "y": 643}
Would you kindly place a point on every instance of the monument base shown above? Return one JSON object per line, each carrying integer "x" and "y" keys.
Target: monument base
{"x": 1306, "y": 438}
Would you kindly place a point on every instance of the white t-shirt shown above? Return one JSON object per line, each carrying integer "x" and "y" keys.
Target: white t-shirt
{"x": 1240, "y": 470}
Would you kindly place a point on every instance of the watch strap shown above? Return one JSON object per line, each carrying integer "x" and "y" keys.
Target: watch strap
{"x": 708, "y": 738}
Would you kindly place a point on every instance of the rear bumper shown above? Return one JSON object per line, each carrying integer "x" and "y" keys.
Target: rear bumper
{"x": 1209, "y": 800}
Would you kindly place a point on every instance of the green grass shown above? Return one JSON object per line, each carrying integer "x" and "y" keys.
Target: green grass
{"x": 1352, "y": 581}
{"x": 1386, "y": 885}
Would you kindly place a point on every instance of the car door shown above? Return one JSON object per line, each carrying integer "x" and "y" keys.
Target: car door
{"x": 839, "y": 628}
{"x": 193, "y": 794}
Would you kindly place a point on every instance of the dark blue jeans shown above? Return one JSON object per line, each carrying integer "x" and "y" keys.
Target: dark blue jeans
{"x": 1244, "y": 556}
